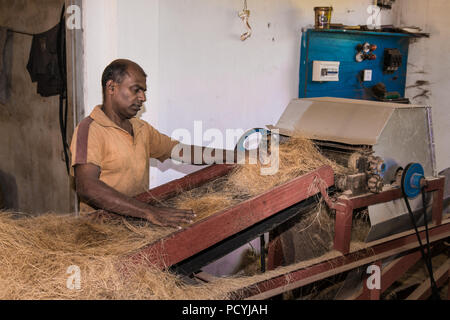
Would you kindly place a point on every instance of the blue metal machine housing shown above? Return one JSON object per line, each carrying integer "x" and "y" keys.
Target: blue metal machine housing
{"x": 341, "y": 45}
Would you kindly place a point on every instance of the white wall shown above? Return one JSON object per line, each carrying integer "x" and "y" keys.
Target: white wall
{"x": 100, "y": 46}
{"x": 198, "y": 67}
{"x": 428, "y": 61}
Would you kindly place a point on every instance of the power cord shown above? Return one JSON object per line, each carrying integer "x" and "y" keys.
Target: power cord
{"x": 425, "y": 257}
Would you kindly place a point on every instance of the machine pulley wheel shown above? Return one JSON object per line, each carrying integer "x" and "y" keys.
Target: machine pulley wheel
{"x": 411, "y": 178}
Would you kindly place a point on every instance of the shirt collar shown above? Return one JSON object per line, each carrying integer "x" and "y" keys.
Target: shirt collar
{"x": 102, "y": 119}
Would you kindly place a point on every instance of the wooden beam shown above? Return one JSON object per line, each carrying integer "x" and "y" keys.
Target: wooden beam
{"x": 438, "y": 202}
{"x": 424, "y": 290}
{"x": 221, "y": 225}
{"x": 369, "y": 199}
{"x": 377, "y": 251}
{"x": 397, "y": 268}
{"x": 343, "y": 228}
{"x": 186, "y": 183}
{"x": 274, "y": 253}
{"x": 390, "y": 274}
{"x": 345, "y": 206}
{"x": 174, "y": 187}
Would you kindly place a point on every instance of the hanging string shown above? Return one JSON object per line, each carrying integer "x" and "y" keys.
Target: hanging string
{"x": 245, "y": 15}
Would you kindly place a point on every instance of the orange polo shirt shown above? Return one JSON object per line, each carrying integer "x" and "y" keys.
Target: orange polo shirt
{"x": 124, "y": 160}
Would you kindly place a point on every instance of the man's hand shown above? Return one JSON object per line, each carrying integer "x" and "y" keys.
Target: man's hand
{"x": 99, "y": 195}
{"x": 169, "y": 217}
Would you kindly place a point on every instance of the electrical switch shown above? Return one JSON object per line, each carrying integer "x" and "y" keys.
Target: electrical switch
{"x": 325, "y": 70}
{"x": 392, "y": 60}
{"x": 367, "y": 75}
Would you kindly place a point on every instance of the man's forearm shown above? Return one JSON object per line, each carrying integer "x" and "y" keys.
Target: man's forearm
{"x": 203, "y": 155}
{"x": 101, "y": 196}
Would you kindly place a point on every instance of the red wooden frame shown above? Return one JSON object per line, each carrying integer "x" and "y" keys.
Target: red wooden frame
{"x": 193, "y": 239}
{"x": 374, "y": 253}
{"x": 345, "y": 206}
{"x": 186, "y": 183}
{"x": 312, "y": 273}
{"x": 183, "y": 244}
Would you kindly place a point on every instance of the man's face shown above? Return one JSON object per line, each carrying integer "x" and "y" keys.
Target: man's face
{"x": 129, "y": 95}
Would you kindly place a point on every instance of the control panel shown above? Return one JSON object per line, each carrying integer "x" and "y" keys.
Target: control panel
{"x": 353, "y": 64}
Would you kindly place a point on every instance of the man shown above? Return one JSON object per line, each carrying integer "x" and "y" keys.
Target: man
{"x": 111, "y": 150}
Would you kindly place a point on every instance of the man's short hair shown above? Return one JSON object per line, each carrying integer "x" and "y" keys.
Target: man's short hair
{"x": 116, "y": 71}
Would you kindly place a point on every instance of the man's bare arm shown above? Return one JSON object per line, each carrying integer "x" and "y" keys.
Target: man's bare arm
{"x": 99, "y": 195}
{"x": 197, "y": 155}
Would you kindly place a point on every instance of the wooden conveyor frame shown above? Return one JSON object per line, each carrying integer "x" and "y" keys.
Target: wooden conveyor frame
{"x": 403, "y": 246}
{"x": 209, "y": 239}
{"x": 259, "y": 213}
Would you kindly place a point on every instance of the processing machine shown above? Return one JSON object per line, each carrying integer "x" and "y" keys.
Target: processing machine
{"x": 389, "y": 151}
{"x": 375, "y": 140}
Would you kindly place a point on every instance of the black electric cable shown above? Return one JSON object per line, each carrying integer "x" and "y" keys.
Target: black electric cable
{"x": 63, "y": 108}
{"x": 435, "y": 291}
{"x": 425, "y": 257}
{"x": 63, "y": 98}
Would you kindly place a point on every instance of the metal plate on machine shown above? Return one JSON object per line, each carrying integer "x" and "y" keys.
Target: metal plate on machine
{"x": 392, "y": 217}
{"x": 354, "y": 122}
{"x": 398, "y": 133}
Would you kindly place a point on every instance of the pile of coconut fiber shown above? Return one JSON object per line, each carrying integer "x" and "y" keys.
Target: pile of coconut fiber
{"x": 37, "y": 253}
{"x": 297, "y": 156}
